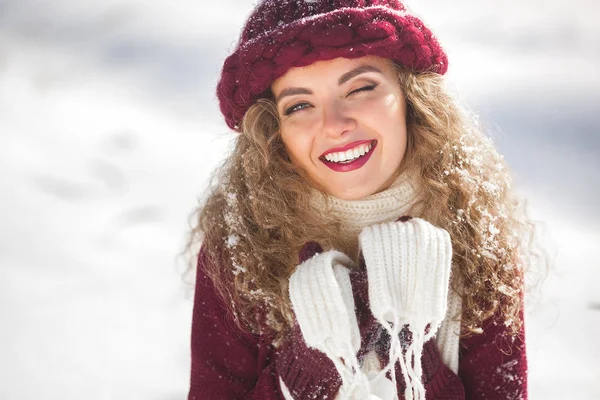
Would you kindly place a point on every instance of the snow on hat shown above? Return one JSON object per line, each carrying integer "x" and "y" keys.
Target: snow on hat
{"x": 282, "y": 34}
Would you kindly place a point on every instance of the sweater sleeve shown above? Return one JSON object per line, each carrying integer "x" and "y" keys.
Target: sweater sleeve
{"x": 227, "y": 363}
{"x": 493, "y": 366}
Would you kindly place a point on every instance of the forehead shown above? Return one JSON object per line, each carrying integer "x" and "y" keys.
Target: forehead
{"x": 329, "y": 69}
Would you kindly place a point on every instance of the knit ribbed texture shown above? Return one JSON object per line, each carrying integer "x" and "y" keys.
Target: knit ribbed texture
{"x": 408, "y": 265}
{"x": 284, "y": 390}
{"x": 282, "y": 34}
{"x": 380, "y": 207}
{"x": 228, "y": 363}
{"x": 448, "y": 335}
{"x": 305, "y": 372}
{"x": 322, "y": 298}
{"x": 386, "y": 206}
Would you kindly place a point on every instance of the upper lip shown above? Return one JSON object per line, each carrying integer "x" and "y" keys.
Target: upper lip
{"x": 346, "y": 147}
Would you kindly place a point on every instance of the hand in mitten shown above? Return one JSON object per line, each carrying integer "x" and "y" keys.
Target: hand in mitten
{"x": 369, "y": 328}
{"x": 437, "y": 378}
{"x": 320, "y": 356}
{"x": 306, "y": 372}
{"x": 408, "y": 266}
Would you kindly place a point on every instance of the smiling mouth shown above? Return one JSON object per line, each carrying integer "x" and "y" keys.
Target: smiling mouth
{"x": 357, "y": 159}
{"x": 349, "y": 156}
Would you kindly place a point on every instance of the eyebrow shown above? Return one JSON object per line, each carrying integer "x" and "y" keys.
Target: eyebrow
{"x": 292, "y": 91}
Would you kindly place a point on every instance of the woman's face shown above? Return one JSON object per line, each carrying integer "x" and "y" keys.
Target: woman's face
{"x": 343, "y": 122}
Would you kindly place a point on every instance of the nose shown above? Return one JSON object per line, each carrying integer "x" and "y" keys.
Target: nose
{"x": 337, "y": 121}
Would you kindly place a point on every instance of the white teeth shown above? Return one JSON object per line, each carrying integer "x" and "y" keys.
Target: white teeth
{"x": 349, "y": 155}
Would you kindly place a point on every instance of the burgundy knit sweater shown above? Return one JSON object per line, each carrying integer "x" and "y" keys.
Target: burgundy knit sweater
{"x": 228, "y": 363}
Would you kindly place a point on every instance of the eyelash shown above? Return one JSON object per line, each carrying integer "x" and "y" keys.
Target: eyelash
{"x": 367, "y": 88}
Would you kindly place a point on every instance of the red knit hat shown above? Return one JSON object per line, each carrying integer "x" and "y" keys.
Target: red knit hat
{"x": 282, "y": 34}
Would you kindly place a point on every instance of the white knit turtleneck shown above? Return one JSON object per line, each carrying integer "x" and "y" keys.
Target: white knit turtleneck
{"x": 385, "y": 206}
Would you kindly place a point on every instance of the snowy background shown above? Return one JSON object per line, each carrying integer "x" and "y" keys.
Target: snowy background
{"x": 109, "y": 129}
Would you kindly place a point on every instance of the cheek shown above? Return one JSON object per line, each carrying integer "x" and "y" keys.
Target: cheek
{"x": 381, "y": 110}
{"x": 391, "y": 109}
{"x": 387, "y": 117}
{"x": 298, "y": 147}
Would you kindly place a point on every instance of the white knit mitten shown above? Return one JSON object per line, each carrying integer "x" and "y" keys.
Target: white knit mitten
{"x": 408, "y": 268}
{"x": 322, "y": 299}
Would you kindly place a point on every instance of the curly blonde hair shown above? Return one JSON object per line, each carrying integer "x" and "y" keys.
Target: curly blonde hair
{"x": 258, "y": 213}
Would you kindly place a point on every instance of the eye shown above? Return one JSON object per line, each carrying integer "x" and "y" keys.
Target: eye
{"x": 364, "y": 89}
{"x": 295, "y": 108}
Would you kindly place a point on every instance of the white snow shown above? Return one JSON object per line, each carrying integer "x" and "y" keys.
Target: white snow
{"x": 232, "y": 240}
{"x": 109, "y": 130}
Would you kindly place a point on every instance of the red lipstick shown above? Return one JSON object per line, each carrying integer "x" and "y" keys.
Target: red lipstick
{"x": 356, "y": 164}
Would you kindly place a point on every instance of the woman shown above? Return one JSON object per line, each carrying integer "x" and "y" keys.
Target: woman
{"x": 361, "y": 240}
